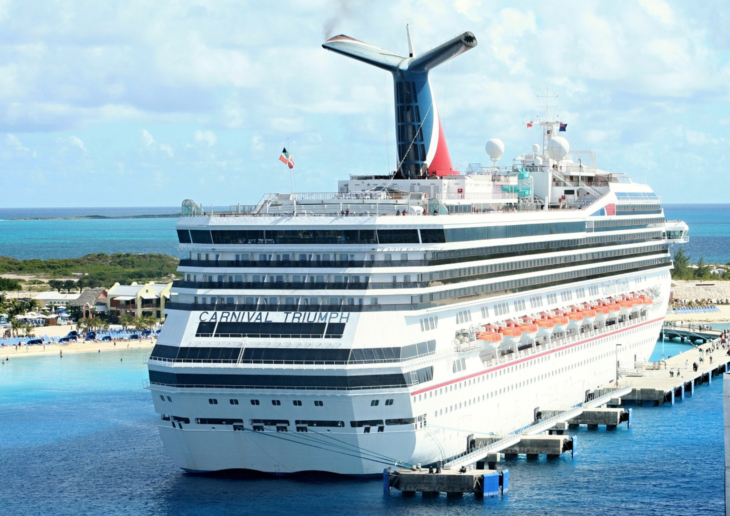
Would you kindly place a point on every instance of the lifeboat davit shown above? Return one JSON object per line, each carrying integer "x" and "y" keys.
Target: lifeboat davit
{"x": 545, "y": 326}
{"x": 602, "y": 312}
{"x": 529, "y": 332}
{"x": 561, "y": 322}
{"x": 575, "y": 319}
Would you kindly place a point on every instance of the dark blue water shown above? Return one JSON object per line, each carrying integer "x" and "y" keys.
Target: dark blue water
{"x": 78, "y": 436}
{"x": 709, "y": 230}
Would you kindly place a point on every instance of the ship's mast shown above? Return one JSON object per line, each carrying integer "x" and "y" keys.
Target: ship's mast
{"x": 548, "y": 123}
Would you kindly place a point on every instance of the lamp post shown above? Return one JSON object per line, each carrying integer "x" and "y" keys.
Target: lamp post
{"x": 617, "y": 346}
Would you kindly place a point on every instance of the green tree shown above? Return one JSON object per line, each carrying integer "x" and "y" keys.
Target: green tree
{"x": 703, "y": 270}
{"x": 9, "y": 285}
{"x": 681, "y": 265}
{"x": 56, "y": 285}
{"x": 69, "y": 285}
{"x": 126, "y": 320}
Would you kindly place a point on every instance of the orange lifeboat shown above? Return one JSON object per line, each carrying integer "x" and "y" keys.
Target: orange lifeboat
{"x": 560, "y": 321}
{"x": 491, "y": 338}
{"x": 510, "y": 334}
{"x": 589, "y": 315}
{"x": 647, "y": 301}
{"x": 529, "y": 331}
{"x": 637, "y": 302}
{"x": 626, "y": 307}
{"x": 575, "y": 319}
{"x": 602, "y": 312}
{"x": 613, "y": 309}
{"x": 545, "y": 326}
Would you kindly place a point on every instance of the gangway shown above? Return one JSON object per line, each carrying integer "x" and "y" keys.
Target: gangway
{"x": 542, "y": 426}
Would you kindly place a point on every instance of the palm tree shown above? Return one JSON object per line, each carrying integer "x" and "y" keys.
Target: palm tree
{"x": 126, "y": 320}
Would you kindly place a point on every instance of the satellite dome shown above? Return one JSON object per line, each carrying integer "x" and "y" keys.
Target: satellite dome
{"x": 558, "y": 148}
{"x": 495, "y": 149}
{"x": 537, "y": 161}
{"x": 535, "y": 148}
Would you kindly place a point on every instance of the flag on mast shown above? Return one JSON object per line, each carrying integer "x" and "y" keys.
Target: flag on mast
{"x": 286, "y": 158}
{"x": 529, "y": 124}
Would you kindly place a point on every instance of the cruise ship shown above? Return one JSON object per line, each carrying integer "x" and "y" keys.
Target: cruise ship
{"x": 392, "y": 321}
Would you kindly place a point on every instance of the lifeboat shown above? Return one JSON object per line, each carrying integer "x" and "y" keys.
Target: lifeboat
{"x": 626, "y": 307}
{"x": 575, "y": 319}
{"x": 637, "y": 302}
{"x": 492, "y": 339}
{"x": 545, "y": 326}
{"x": 510, "y": 334}
{"x": 614, "y": 309}
{"x": 589, "y": 315}
{"x": 647, "y": 301}
{"x": 560, "y": 321}
{"x": 529, "y": 332}
{"x": 602, "y": 312}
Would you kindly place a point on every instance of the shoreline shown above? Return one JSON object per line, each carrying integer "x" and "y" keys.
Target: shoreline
{"x": 8, "y": 352}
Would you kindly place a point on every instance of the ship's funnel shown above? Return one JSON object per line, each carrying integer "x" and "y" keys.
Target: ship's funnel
{"x": 421, "y": 143}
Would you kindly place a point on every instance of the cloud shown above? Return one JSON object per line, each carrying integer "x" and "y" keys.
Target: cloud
{"x": 167, "y": 149}
{"x": 78, "y": 143}
{"x": 205, "y": 137}
{"x": 15, "y": 143}
{"x": 659, "y": 10}
{"x": 147, "y": 138}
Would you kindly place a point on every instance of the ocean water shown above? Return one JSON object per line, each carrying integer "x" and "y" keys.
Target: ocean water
{"x": 79, "y": 437}
{"x": 24, "y": 239}
{"x": 28, "y": 239}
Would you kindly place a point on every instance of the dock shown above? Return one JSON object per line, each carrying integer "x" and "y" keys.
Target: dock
{"x": 475, "y": 471}
{"x": 657, "y": 386}
{"x": 685, "y": 334}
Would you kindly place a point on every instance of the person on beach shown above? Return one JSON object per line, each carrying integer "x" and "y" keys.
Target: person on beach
{"x": 686, "y": 364}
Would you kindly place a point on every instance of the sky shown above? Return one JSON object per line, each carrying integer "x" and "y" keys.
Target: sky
{"x": 148, "y": 103}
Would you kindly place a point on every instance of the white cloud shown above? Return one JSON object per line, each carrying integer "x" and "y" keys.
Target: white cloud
{"x": 167, "y": 149}
{"x": 78, "y": 143}
{"x": 15, "y": 142}
{"x": 147, "y": 138}
{"x": 659, "y": 10}
{"x": 205, "y": 137}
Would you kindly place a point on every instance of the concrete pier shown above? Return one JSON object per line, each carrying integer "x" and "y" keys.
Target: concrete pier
{"x": 658, "y": 386}
{"x": 684, "y": 334}
{"x": 726, "y": 412}
{"x": 608, "y": 417}
{"x": 535, "y": 445}
{"x": 453, "y": 483}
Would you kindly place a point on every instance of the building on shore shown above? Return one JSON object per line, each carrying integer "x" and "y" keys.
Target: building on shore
{"x": 91, "y": 300}
{"x": 53, "y": 299}
{"x": 145, "y": 299}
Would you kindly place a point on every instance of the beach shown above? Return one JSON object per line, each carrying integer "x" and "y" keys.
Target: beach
{"x": 72, "y": 347}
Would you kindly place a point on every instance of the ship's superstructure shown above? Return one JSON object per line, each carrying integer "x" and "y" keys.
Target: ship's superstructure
{"x": 400, "y": 316}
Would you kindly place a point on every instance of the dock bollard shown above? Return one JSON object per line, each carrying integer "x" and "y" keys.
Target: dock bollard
{"x": 386, "y": 481}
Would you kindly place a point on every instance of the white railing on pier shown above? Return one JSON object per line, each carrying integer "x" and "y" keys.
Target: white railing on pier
{"x": 542, "y": 426}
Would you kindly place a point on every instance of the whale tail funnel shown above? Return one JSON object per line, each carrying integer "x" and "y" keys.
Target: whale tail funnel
{"x": 422, "y": 148}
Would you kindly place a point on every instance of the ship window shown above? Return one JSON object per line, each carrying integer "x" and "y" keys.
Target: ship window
{"x": 183, "y": 236}
{"x": 389, "y": 402}
{"x": 318, "y": 403}
{"x": 233, "y": 402}
{"x": 276, "y": 403}
{"x": 213, "y": 402}
{"x": 255, "y": 402}
{"x": 297, "y": 403}
{"x": 162, "y": 397}
{"x": 169, "y": 399}
{"x": 374, "y": 403}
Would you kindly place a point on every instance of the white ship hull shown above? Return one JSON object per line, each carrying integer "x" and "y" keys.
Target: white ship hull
{"x": 485, "y": 398}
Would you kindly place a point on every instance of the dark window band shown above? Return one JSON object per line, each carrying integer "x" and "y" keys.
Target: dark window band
{"x": 394, "y": 236}
{"x": 281, "y": 381}
{"x": 253, "y": 355}
{"x": 272, "y": 330}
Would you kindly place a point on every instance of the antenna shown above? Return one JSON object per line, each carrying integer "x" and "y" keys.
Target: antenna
{"x": 547, "y": 106}
{"x": 411, "y": 52}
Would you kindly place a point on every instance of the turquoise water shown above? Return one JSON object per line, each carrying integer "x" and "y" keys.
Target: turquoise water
{"x": 79, "y": 436}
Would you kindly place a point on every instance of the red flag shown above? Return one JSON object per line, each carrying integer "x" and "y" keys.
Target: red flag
{"x": 286, "y": 158}
{"x": 529, "y": 124}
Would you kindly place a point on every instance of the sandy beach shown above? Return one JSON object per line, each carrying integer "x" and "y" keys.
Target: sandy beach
{"x": 71, "y": 348}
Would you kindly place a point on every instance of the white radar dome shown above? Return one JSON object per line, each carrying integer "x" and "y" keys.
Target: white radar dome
{"x": 537, "y": 161}
{"x": 558, "y": 148}
{"x": 535, "y": 148}
{"x": 495, "y": 149}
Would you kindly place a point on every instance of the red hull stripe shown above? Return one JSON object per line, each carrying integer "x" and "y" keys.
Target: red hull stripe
{"x": 532, "y": 357}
